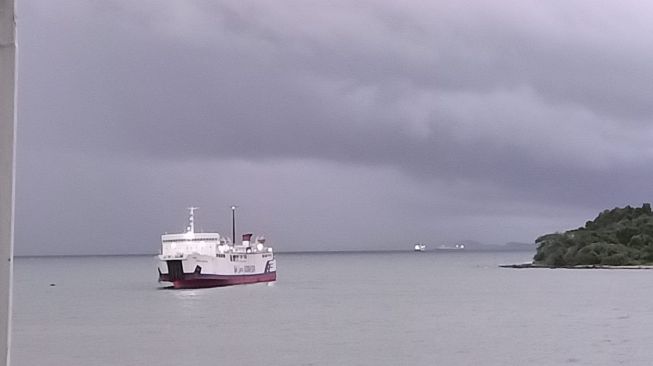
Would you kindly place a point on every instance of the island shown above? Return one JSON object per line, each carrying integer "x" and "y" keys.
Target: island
{"x": 619, "y": 237}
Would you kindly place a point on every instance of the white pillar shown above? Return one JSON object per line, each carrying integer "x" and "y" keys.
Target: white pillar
{"x": 7, "y": 167}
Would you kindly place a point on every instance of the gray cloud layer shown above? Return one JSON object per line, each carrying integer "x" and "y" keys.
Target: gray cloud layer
{"x": 431, "y": 121}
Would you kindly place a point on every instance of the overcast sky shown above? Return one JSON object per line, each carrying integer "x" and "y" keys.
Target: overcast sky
{"x": 339, "y": 125}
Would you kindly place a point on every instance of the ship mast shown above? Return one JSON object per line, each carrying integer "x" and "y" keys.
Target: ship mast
{"x": 233, "y": 224}
{"x": 7, "y": 168}
{"x": 191, "y": 220}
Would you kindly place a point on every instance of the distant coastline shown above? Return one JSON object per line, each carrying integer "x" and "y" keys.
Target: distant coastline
{"x": 519, "y": 247}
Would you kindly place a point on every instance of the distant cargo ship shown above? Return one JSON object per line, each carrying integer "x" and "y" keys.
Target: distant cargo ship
{"x": 193, "y": 260}
{"x": 456, "y": 247}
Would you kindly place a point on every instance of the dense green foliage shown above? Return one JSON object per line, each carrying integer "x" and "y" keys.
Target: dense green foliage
{"x": 622, "y": 236}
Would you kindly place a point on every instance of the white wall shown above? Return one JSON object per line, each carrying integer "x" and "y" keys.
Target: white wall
{"x": 7, "y": 168}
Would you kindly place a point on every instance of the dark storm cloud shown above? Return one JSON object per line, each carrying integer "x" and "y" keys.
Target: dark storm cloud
{"x": 537, "y": 103}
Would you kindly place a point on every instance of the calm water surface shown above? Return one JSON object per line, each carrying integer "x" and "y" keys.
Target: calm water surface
{"x": 334, "y": 309}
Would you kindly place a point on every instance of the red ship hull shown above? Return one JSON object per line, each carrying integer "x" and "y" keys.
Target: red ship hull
{"x": 195, "y": 280}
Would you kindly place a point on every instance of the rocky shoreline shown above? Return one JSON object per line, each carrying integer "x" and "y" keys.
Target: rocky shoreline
{"x": 589, "y": 266}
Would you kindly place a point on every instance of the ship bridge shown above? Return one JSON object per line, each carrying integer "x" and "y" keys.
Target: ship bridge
{"x": 178, "y": 245}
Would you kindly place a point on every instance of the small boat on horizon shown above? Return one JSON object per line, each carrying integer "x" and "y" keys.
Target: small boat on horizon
{"x": 457, "y": 247}
{"x": 419, "y": 247}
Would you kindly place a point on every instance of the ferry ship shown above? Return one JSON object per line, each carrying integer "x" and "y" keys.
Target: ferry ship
{"x": 195, "y": 260}
{"x": 457, "y": 247}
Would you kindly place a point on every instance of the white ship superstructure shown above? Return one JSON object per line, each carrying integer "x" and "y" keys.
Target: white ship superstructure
{"x": 191, "y": 260}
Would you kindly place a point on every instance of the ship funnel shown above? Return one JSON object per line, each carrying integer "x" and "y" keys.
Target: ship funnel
{"x": 246, "y": 239}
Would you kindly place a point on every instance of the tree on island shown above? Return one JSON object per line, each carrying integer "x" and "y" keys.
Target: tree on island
{"x": 617, "y": 237}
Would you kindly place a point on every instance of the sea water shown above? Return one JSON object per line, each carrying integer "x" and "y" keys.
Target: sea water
{"x": 400, "y": 308}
